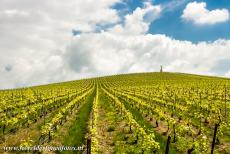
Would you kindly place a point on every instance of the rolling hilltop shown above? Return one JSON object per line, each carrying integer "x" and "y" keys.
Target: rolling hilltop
{"x": 129, "y": 113}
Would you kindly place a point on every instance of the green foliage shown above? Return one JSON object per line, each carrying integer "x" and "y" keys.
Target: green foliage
{"x": 186, "y": 107}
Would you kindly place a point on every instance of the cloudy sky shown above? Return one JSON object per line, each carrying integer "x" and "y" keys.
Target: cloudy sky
{"x": 55, "y": 40}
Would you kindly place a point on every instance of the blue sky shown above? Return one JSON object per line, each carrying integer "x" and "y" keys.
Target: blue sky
{"x": 171, "y": 24}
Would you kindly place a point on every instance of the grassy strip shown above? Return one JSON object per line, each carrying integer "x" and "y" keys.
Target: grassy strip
{"x": 77, "y": 131}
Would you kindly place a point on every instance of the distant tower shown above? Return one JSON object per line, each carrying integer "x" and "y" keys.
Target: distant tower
{"x": 161, "y": 69}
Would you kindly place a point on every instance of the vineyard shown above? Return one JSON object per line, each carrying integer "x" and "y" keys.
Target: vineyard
{"x": 171, "y": 113}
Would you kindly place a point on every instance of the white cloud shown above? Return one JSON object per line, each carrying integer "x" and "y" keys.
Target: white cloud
{"x": 37, "y": 47}
{"x": 138, "y": 22}
{"x": 35, "y": 33}
{"x": 109, "y": 53}
{"x": 198, "y": 14}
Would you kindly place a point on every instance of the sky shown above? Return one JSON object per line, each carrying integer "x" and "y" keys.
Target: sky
{"x": 52, "y": 41}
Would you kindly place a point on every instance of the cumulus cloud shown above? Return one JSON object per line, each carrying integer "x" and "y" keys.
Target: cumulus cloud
{"x": 108, "y": 53}
{"x": 138, "y": 21}
{"x": 198, "y": 14}
{"x": 37, "y": 46}
{"x": 128, "y": 48}
{"x": 34, "y": 35}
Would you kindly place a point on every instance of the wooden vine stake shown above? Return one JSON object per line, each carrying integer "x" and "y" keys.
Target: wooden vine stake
{"x": 167, "y": 146}
{"x": 214, "y": 138}
{"x": 88, "y": 146}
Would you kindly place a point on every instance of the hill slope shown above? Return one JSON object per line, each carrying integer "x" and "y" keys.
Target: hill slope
{"x": 129, "y": 113}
